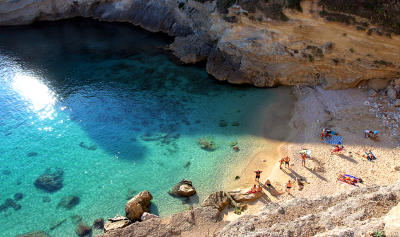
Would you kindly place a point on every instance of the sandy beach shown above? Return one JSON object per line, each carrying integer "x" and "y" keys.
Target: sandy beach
{"x": 346, "y": 112}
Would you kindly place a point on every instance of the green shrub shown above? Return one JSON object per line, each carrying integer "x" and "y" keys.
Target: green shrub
{"x": 351, "y": 50}
{"x": 181, "y": 5}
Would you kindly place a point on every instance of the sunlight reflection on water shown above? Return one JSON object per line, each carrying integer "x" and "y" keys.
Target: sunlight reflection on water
{"x": 40, "y": 99}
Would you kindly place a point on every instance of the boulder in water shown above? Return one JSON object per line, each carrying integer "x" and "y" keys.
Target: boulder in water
{"x": 183, "y": 189}
{"x": 207, "y": 144}
{"x": 83, "y": 230}
{"x": 76, "y": 219}
{"x": 9, "y": 203}
{"x": 135, "y": 207}
{"x": 32, "y": 154}
{"x": 68, "y": 202}
{"x": 50, "y": 181}
{"x": 98, "y": 223}
{"x": 18, "y": 196}
{"x": 36, "y": 233}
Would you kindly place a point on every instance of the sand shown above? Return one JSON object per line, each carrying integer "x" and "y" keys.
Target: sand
{"x": 344, "y": 111}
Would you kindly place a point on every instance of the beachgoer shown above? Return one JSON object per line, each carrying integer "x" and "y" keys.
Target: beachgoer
{"x": 268, "y": 183}
{"x": 258, "y": 173}
{"x": 235, "y": 148}
{"x": 288, "y": 186}
{"x": 338, "y": 148}
{"x": 281, "y": 162}
{"x": 303, "y": 159}
{"x": 287, "y": 160}
{"x": 253, "y": 189}
{"x": 259, "y": 189}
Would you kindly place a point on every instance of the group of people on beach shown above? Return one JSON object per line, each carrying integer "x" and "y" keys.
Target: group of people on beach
{"x": 304, "y": 154}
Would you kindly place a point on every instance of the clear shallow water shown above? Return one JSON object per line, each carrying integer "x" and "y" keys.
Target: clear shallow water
{"x": 79, "y": 95}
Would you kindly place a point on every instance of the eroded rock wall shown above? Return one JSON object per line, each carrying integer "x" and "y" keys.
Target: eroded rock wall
{"x": 266, "y": 45}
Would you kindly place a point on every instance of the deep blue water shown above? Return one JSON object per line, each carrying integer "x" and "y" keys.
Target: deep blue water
{"x": 82, "y": 96}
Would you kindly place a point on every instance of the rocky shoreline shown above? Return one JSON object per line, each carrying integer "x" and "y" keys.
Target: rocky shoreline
{"x": 267, "y": 46}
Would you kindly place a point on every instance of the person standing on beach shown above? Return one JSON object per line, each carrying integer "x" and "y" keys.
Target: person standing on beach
{"x": 287, "y": 160}
{"x": 303, "y": 159}
{"x": 288, "y": 186}
{"x": 281, "y": 163}
{"x": 258, "y": 174}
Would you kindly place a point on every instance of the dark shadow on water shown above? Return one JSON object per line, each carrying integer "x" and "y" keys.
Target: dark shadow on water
{"x": 118, "y": 84}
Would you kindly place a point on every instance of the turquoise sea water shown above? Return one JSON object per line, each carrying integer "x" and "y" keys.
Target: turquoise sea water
{"x": 85, "y": 97}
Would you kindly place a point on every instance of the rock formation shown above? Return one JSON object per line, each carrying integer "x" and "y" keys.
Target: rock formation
{"x": 118, "y": 222}
{"x": 183, "y": 189}
{"x": 357, "y": 212}
{"x": 98, "y": 223}
{"x": 83, "y": 230}
{"x": 263, "y": 43}
{"x": 51, "y": 180}
{"x": 139, "y": 204}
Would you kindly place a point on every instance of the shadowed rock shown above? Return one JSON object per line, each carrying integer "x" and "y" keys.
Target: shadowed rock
{"x": 68, "y": 202}
{"x": 9, "y": 203}
{"x": 218, "y": 200}
{"x": 83, "y": 230}
{"x": 18, "y": 196}
{"x": 51, "y": 180}
{"x": 98, "y": 223}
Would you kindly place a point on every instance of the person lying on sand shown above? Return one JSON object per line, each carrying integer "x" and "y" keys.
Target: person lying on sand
{"x": 338, "y": 149}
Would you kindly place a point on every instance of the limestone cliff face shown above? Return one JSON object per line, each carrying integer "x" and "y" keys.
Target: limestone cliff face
{"x": 265, "y": 46}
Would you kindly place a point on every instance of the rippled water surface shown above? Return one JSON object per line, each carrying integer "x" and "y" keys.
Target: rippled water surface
{"x": 102, "y": 103}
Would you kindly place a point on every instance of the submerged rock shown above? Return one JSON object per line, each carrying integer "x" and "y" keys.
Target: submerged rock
{"x": 187, "y": 164}
{"x": 135, "y": 207}
{"x": 51, "y": 180}
{"x": 68, "y": 202}
{"x": 57, "y": 223}
{"x": 46, "y": 199}
{"x": 9, "y": 203}
{"x": 207, "y": 144}
{"x": 183, "y": 189}
{"x": 83, "y": 230}
{"x": 130, "y": 194}
{"x": 76, "y": 219}
{"x": 98, "y": 223}
{"x": 6, "y": 172}
{"x": 90, "y": 148}
{"x": 36, "y": 233}
{"x": 18, "y": 196}
{"x": 32, "y": 154}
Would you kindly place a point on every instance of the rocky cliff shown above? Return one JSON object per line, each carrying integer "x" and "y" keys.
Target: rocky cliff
{"x": 357, "y": 212}
{"x": 264, "y": 43}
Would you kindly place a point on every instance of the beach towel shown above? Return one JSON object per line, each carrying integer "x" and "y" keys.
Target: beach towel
{"x": 334, "y": 140}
